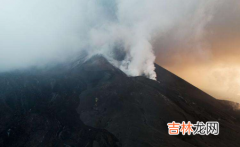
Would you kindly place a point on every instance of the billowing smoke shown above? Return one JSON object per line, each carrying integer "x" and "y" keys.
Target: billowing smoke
{"x": 39, "y": 32}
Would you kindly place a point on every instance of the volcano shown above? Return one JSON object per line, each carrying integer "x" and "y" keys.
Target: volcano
{"x": 94, "y": 104}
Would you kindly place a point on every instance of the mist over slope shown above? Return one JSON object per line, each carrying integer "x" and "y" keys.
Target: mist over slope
{"x": 43, "y": 32}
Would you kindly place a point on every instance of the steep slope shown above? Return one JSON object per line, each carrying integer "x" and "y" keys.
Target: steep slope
{"x": 95, "y": 104}
{"x": 137, "y": 110}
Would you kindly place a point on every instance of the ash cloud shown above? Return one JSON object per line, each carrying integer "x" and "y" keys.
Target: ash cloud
{"x": 42, "y": 32}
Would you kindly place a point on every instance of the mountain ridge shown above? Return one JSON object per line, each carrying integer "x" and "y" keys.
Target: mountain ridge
{"x": 92, "y": 103}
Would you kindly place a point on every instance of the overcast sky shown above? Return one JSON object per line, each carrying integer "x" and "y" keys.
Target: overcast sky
{"x": 199, "y": 40}
{"x": 214, "y": 68}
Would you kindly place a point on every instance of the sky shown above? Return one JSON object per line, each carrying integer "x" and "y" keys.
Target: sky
{"x": 216, "y": 67}
{"x": 198, "y": 40}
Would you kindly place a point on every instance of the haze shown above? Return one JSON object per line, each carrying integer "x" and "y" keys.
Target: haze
{"x": 212, "y": 64}
{"x": 198, "y": 40}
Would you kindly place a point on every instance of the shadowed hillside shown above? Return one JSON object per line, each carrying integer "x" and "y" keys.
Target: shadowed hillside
{"x": 94, "y": 104}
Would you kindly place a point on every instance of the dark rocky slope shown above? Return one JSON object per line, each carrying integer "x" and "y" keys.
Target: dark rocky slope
{"x": 93, "y": 104}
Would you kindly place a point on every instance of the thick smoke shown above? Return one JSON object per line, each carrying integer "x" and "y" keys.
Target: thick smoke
{"x": 39, "y": 32}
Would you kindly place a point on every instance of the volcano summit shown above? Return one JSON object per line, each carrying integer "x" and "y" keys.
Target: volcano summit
{"x": 94, "y": 104}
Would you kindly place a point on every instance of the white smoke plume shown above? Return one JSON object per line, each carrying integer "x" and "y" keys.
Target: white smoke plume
{"x": 39, "y": 32}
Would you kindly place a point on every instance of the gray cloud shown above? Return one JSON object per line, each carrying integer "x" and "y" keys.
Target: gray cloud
{"x": 209, "y": 34}
{"x": 40, "y": 32}
{"x": 210, "y": 60}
